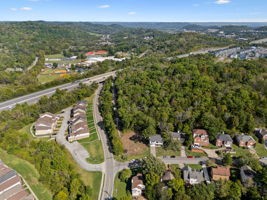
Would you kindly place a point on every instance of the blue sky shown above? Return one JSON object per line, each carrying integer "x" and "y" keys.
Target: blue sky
{"x": 135, "y": 10}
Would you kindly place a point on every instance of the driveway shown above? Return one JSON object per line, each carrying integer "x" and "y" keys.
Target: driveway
{"x": 182, "y": 160}
{"x": 212, "y": 152}
{"x": 153, "y": 151}
{"x": 183, "y": 154}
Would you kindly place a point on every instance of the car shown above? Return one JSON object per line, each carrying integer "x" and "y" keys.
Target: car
{"x": 172, "y": 156}
{"x": 190, "y": 156}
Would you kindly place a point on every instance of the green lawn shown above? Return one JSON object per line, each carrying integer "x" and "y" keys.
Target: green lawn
{"x": 239, "y": 150}
{"x": 196, "y": 154}
{"x": 163, "y": 152}
{"x": 45, "y": 78}
{"x": 26, "y": 129}
{"x": 195, "y": 166}
{"x": 28, "y": 172}
{"x": 95, "y": 150}
{"x": 260, "y": 149}
{"x": 120, "y": 188}
{"x": 53, "y": 56}
{"x": 92, "y": 179}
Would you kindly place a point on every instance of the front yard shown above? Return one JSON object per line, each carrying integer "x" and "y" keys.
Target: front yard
{"x": 164, "y": 152}
{"x": 120, "y": 188}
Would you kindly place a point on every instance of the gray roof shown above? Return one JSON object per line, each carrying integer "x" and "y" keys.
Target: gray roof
{"x": 155, "y": 138}
{"x": 7, "y": 176}
{"x": 244, "y": 138}
{"x": 192, "y": 174}
{"x": 225, "y": 138}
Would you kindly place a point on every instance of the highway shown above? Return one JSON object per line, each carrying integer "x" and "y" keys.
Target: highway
{"x": 34, "y": 97}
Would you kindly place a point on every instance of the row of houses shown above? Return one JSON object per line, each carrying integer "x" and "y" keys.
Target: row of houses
{"x": 78, "y": 127}
{"x": 12, "y": 186}
{"x": 194, "y": 176}
{"x": 201, "y": 138}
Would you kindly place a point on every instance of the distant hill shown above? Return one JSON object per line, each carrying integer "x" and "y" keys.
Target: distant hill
{"x": 178, "y": 26}
{"x": 21, "y": 41}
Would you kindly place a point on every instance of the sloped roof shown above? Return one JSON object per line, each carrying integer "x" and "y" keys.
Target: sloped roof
{"x": 221, "y": 171}
{"x": 155, "y": 138}
{"x": 225, "y": 138}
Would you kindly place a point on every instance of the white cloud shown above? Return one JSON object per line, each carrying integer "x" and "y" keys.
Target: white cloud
{"x": 104, "y": 6}
{"x": 131, "y": 13}
{"x": 26, "y": 8}
{"x": 222, "y": 2}
{"x": 13, "y": 9}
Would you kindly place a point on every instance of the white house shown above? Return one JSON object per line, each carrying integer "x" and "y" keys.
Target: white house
{"x": 137, "y": 185}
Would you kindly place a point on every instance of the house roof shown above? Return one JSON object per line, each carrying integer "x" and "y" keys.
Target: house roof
{"x": 221, "y": 171}
{"x": 137, "y": 180}
{"x": 200, "y": 132}
{"x": 224, "y": 137}
{"x": 193, "y": 174}
{"x": 155, "y": 138}
{"x": 244, "y": 138}
{"x": 261, "y": 132}
{"x": 167, "y": 176}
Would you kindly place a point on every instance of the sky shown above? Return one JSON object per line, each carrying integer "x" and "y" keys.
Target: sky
{"x": 135, "y": 10}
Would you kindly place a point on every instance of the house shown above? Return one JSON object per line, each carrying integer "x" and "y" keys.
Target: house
{"x": 78, "y": 127}
{"x": 11, "y": 185}
{"x": 155, "y": 140}
{"x": 220, "y": 173}
{"x": 245, "y": 141}
{"x": 192, "y": 176}
{"x": 201, "y": 137}
{"x": 224, "y": 140}
{"x": 247, "y": 175}
{"x": 167, "y": 176}
{"x": 263, "y": 161}
{"x": 178, "y": 136}
{"x": 46, "y": 124}
{"x": 137, "y": 185}
{"x": 261, "y": 134}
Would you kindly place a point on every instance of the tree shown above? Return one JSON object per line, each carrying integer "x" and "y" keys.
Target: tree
{"x": 125, "y": 174}
{"x": 61, "y": 196}
{"x": 177, "y": 185}
{"x": 227, "y": 159}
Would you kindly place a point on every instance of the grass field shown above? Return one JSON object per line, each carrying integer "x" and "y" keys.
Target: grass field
{"x": 92, "y": 179}
{"x": 195, "y": 166}
{"x": 260, "y": 149}
{"x": 28, "y": 172}
{"x": 196, "y": 154}
{"x": 119, "y": 188}
{"x": 239, "y": 150}
{"x": 162, "y": 152}
{"x": 54, "y": 56}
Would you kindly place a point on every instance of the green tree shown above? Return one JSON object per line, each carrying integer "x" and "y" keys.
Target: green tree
{"x": 125, "y": 174}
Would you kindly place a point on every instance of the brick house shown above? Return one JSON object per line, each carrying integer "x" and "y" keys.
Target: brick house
{"x": 245, "y": 141}
{"x": 201, "y": 137}
{"x": 220, "y": 173}
{"x": 224, "y": 140}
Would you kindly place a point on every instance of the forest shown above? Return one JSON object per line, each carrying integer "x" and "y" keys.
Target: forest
{"x": 157, "y": 96}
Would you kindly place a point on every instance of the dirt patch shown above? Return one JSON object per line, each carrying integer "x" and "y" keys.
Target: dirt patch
{"x": 131, "y": 146}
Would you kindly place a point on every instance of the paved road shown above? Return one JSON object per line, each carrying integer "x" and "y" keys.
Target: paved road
{"x": 182, "y": 160}
{"x": 111, "y": 167}
{"x": 34, "y": 97}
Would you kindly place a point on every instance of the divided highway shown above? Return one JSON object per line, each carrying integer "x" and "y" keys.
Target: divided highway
{"x": 34, "y": 97}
